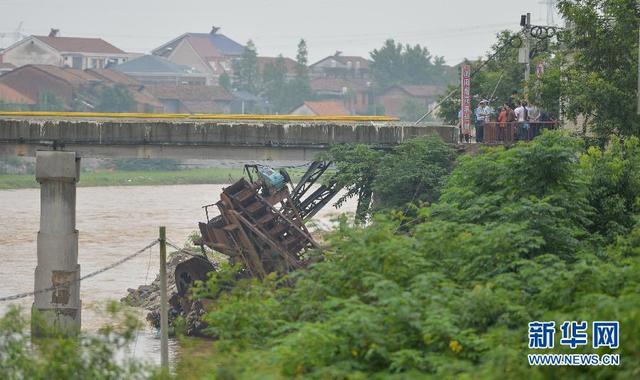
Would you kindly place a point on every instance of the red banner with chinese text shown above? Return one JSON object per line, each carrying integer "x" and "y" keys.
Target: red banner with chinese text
{"x": 465, "y": 100}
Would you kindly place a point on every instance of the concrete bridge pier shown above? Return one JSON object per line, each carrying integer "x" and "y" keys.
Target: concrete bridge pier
{"x": 57, "y": 311}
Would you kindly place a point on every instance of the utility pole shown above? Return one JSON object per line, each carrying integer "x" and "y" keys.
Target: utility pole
{"x": 164, "y": 323}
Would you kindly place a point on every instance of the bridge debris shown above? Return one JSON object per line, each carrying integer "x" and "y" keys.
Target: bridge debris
{"x": 260, "y": 226}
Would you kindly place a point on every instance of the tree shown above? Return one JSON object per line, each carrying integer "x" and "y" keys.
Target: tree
{"x": 599, "y": 80}
{"x": 388, "y": 64}
{"x": 275, "y": 85}
{"x": 395, "y": 63}
{"x": 418, "y": 66}
{"x": 225, "y": 81}
{"x": 302, "y": 60}
{"x": 48, "y": 101}
{"x": 414, "y": 172}
{"x": 300, "y": 87}
{"x": 245, "y": 71}
{"x": 115, "y": 98}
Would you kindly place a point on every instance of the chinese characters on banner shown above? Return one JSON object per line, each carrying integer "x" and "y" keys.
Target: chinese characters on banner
{"x": 465, "y": 100}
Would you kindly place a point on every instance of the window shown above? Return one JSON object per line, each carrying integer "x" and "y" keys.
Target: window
{"x": 77, "y": 62}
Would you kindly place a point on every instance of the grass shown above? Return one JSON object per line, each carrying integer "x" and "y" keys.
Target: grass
{"x": 141, "y": 178}
{"x": 133, "y": 178}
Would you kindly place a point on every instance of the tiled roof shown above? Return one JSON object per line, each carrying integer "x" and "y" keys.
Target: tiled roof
{"x": 153, "y": 64}
{"x": 221, "y": 43}
{"x": 113, "y": 76}
{"x": 80, "y": 45}
{"x": 344, "y": 59}
{"x": 7, "y": 65}
{"x": 327, "y": 108}
{"x": 190, "y": 93}
{"x": 289, "y": 63}
{"x": 337, "y": 84}
{"x": 64, "y": 74}
{"x": 12, "y": 96}
{"x": 206, "y": 45}
{"x": 423, "y": 91}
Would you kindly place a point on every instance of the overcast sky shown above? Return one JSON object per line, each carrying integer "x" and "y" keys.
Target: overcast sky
{"x": 454, "y": 29}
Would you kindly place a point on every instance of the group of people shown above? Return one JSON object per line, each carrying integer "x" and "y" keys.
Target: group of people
{"x": 510, "y": 122}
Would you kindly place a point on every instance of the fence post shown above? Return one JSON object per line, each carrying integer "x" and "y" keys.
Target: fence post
{"x": 164, "y": 325}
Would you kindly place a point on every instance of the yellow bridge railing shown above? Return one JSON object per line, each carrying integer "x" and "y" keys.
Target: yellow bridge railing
{"x": 195, "y": 116}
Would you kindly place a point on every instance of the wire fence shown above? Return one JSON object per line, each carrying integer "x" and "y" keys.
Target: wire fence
{"x": 92, "y": 274}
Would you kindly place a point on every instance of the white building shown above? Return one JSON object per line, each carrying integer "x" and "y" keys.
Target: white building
{"x": 74, "y": 52}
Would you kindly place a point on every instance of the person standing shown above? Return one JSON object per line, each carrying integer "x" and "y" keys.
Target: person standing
{"x": 502, "y": 122}
{"x": 522, "y": 113}
{"x": 534, "y": 120}
{"x": 482, "y": 115}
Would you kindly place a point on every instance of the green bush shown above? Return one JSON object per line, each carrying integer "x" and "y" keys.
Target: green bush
{"x": 87, "y": 356}
{"x": 510, "y": 240}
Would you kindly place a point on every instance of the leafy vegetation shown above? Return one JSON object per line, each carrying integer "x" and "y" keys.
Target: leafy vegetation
{"x": 82, "y": 357}
{"x": 412, "y": 172}
{"x": 603, "y": 48}
{"x": 514, "y": 237}
{"x": 394, "y": 63}
{"x": 115, "y": 98}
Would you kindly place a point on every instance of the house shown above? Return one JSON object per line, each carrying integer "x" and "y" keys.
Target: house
{"x": 210, "y": 53}
{"x": 74, "y": 89}
{"x": 11, "y": 100}
{"x": 153, "y": 69}
{"x": 288, "y": 63}
{"x": 76, "y": 52}
{"x": 356, "y": 94}
{"x": 180, "y": 98}
{"x": 322, "y": 108}
{"x": 6, "y": 67}
{"x": 341, "y": 66}
{"x": 396, "y": 98}
{"x": 144, "y": 100}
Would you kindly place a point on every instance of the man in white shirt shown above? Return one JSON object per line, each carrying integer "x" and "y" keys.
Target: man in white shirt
{"x": 482, "y": 115}
{"x": 522, "y": 113}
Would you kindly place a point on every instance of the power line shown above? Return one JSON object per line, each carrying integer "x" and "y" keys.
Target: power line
{"x": 92, "y": 274}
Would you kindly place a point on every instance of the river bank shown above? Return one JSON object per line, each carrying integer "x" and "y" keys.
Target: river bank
{"x": 200, "y": 176}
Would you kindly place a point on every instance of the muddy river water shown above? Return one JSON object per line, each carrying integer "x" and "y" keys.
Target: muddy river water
{"x": 113, "y": 222}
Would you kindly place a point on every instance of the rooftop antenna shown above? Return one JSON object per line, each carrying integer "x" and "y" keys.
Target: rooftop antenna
{"x": 214, "y": 29}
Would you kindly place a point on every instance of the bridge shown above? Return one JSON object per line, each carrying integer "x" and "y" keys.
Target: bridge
{"x": 181, "y": 136}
